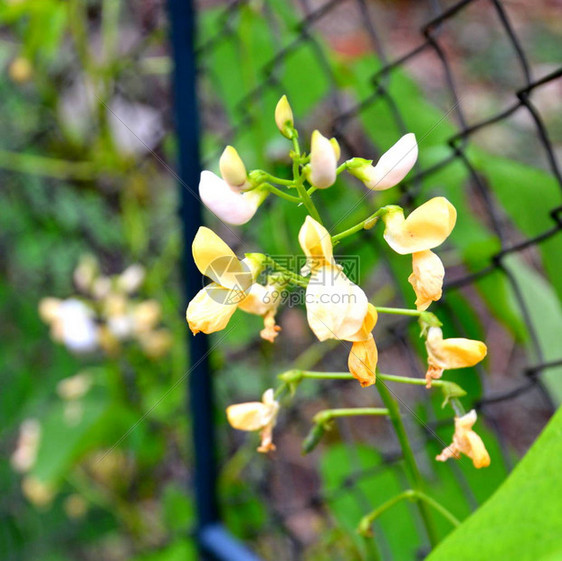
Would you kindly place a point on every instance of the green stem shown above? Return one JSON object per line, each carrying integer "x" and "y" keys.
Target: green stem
{"x": 373, "y": 553}
{"x": 410, "y": 494}
{"x": 399, "y": 311}
{"x": 409, "y": 458}
{"x": 299, "y": 182}
{"x": 278, "y": 180}
{"x": 329, "y": 414}
{"x": 281, "y": 194}
{"x": 326, "y": 375}
{"x": 368, "y": 223}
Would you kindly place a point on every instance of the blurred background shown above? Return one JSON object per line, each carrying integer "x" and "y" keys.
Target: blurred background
{"x": 94, "y": 429}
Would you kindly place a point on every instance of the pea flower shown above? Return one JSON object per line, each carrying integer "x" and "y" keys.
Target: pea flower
{"x": 225, "y": 197}
{"x": 449, "y": 354}
{"x": 336, "y": 307}
{"x": 255, "y": 415}
{"x": 392, "y": 166}
{"x": 426, "y": 278}
{"x": 426, "y": 227}
{"x": 233, "y": 287}
{"x": 467, "y": 442}
{"x": 213, "y": 306}
{"x": 324, "y": 156}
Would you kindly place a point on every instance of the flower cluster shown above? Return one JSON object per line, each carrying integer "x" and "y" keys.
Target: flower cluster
{"x": 106, "y": 314}
{"x": 336, "y": 307}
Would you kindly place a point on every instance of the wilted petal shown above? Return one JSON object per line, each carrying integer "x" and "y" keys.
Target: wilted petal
{"x": 323, "y": 161}
{"x": 211, "y": 309}
{"x": 362, "y": 361}
{"x": 425, "y": 228}
{"x": 335, "y": 307}
{"x": 426, "y": 278}
{"x": 227, "y": 203}
{"x": 467, "y": 442}
{"x": 249, "y": 416}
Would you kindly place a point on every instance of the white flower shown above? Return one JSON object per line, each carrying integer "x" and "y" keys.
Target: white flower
{"x": 226, "y": 202}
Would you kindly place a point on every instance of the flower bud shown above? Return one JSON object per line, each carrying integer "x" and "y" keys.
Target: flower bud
{"x": 232, "y": 168}
{"x": 323, "y": 161}
{"x": 284, "y": 117}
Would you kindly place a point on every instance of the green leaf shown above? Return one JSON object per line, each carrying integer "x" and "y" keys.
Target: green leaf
{"x": 522, "y": 520}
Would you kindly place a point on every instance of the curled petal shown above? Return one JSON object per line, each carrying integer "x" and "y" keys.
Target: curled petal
{"x": 316, "y": 242}
{"x": 211, "y": 309}
{"x": 426, "y": 278}
{"x": 335, "y": 307}
{"x": 217, "y": 261}
{"x": 323, "y": 161}
{"x": 227, "y": 203}
{"x": 425, "y": 228}
{"x": 394, "y": 164}
{"x": 362, "y": 361}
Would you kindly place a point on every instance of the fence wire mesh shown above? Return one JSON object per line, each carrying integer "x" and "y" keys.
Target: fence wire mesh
{"x": 287, "y": 506}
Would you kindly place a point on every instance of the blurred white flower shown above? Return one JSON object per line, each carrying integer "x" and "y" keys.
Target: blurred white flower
{"x": 74, "y": 326}
{"x": 74, "y": 387}
{"x": 131, "y": 279}
{"x": 25, "y": 454}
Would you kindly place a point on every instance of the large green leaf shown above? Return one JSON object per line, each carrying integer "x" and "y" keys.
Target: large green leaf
{"x": 523, "y": 519}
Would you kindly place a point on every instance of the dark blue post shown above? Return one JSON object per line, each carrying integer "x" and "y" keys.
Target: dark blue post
{"x": 214, "y": 541}
{"x": 182, "y": 23}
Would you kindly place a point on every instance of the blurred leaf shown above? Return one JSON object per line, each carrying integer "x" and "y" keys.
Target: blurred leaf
{"x": 62, "y": 442}
{"x": 545, "y": 316}
{"x": 522, "y": 519}
{"x": 179, "y": 550}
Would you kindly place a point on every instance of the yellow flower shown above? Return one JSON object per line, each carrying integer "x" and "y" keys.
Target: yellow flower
{"x": 467, "y": 442}
{"x": 323, "y": 161}
{"x": 255, "y": 415}
{"x": 426, "y": 278}
{"x": 448, "y": 354}
{"x": 425, "y": 228}
{"x": 233, "y": 287}
{"x": 213, "y": 306}
{"x": 392, "y": 166}
{"x": 363, "y": 357}
{"x": 336, "y": 307}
